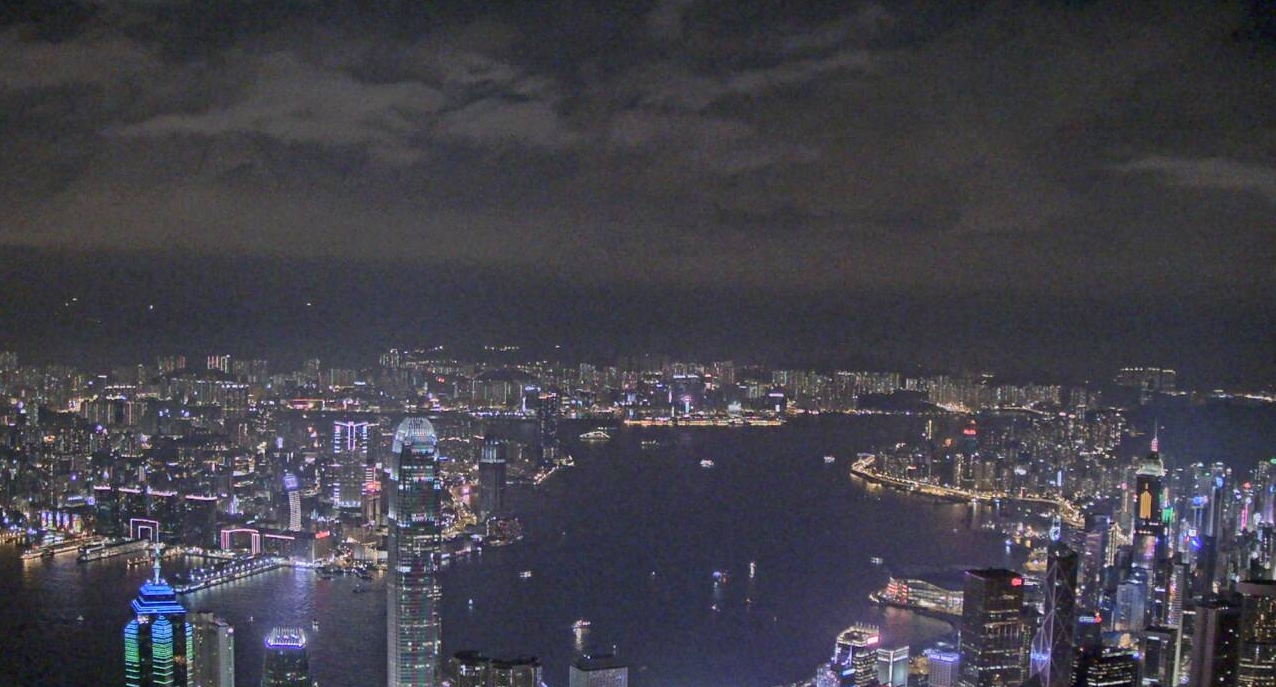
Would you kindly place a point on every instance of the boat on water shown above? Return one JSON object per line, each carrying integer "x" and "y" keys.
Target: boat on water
{"x": 706, "y": 463}
{"x": 580, "y": 625}
{"x": 595, "y": 435}
{"x": 525, "y": 575}
{"x": 829, "y": 460}
{"x": 111, "y": 548}
{"x": 875, "y": 560}
{"x": 720, "y": 577}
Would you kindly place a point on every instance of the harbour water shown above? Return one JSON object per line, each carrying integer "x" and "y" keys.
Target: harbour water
{"x": 629, "y": 540}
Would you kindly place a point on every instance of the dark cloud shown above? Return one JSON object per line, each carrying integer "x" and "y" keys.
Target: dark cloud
{"x": 1044, "y": 147}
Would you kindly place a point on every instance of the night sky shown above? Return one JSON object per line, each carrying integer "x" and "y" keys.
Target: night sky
{"x": 1050, "y": 187}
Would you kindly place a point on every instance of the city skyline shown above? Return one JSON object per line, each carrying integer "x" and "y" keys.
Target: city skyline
{"x": 508, "y": 344}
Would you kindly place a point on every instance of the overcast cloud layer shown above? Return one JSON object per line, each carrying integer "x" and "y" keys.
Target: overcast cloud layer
{"x": 1108, "y": 149}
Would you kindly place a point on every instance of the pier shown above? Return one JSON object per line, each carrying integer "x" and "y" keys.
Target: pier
{"x": 228, "y": 571}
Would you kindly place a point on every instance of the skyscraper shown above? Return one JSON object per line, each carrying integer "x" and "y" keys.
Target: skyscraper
{"x": 1130, "y": 612}
{"x": 413, "y": 591}
{"x": 990, "y": 644}
{"x": 157, "y": 639}
{"x": 1095, "y": 557}
{"x": 942, "y": 668}
{"x": 547, "y": 414}
{"x": 892, "y": 666}
{"x": 1257, "y": 665}
{"x": 1161, "y": 655}
{"x": 286, "y": 663}
{"x": 1215, "y": 644}
{"x": 1149, "y": 531}
{"x": 212, "y": 661}
{"x": 350, "y": 450}
{"x": 855, "y": 656}
{"x": 1052, "y": 647}
{"x": 604, "y": 670}
{"x": 1098, "y": 666}
{"x": 491, "y": 478}
{"x": 290, "y": 506}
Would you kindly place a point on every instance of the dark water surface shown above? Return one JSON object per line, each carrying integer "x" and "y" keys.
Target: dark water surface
{"x": 628, "y": 539}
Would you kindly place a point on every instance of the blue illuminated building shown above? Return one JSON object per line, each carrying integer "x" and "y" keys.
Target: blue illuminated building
{"x": 415, "y": 536}
{"x": 157, "y": 638}
{"x": 286, "y": 663}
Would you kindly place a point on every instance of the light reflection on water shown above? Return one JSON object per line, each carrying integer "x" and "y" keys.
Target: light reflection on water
{"x": 596, "y": 533}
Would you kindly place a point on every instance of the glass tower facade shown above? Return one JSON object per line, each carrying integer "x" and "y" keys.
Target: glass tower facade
{"x": 415, "y": 535}
{"x": 1052, "y": 647}
{"x": 286, "y": 663}
{"x": 350, "y": 448}
{"x": 491, "y": 478}
{"x": 990, "y": 645}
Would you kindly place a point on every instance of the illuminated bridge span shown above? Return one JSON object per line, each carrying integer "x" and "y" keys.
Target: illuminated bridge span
{"x": 228, "y": 571}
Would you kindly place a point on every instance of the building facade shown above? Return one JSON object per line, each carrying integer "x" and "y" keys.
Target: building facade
{"x": 158, "y": 638}
{"x": 212, "y": 651}
{"x": 415, "y": 536}
{"x": 991, "y": 634}
{"x": 286, "y": 663}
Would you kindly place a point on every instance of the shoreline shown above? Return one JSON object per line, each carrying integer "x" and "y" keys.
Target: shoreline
{"x": 1069, "y": 513}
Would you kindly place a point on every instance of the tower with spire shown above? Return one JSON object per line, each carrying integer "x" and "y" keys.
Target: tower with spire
{"x": 1149, "y": 485}
{"x": 157, "y": 640}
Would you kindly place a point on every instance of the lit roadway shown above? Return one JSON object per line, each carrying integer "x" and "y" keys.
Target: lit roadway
{"x": 863, "y": 468}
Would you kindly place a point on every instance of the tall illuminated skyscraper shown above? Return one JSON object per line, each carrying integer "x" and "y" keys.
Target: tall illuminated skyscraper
{"x": 1052, "y": 647}
{"x": 286, "y": 663}
{"x": 350, "y": 446}
{"x": 1149, "y": 531}
{"x": 1095, "y": 556}
{"x": 157, "y": 639}
{"x": 547, "y": 414}
{"x": 412, "y": 607}
{"x": 990, "y": 641}
{"x": 491, "y": 478}
{"x": 291, "y": 506}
